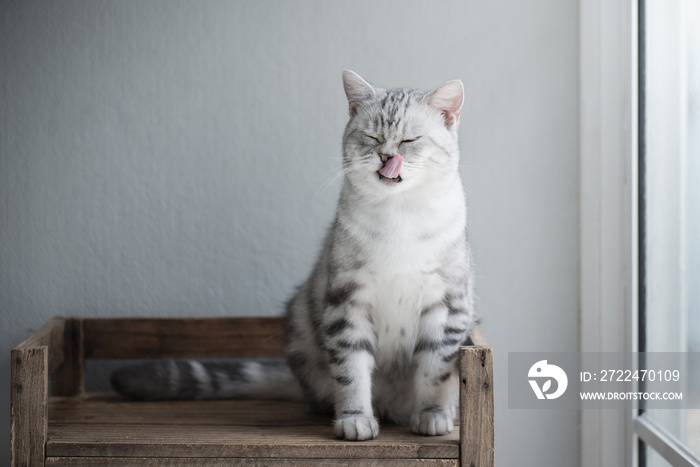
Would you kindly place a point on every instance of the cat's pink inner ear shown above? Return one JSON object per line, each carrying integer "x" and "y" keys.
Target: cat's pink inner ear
{"x": 357, "y": 90}
{"x": 448, "y": 99}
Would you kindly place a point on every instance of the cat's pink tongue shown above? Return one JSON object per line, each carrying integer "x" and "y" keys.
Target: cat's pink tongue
{"x": 393, "y": 167}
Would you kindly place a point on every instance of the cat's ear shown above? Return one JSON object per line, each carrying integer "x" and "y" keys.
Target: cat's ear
{"x": 357, "y": 90}
{"x": 448, "y": 99}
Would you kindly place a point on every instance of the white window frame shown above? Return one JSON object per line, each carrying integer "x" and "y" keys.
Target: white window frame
{"x": 608, "y": 150}
{"x": 608, "y": 245}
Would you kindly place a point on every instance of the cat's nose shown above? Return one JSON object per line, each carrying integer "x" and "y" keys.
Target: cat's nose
{"x": 385, "y": 158}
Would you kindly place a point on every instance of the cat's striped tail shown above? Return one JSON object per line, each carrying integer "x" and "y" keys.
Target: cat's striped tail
{"x": 195, "y": 380}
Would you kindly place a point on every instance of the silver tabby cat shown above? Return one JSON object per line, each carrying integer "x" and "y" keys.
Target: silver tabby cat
{"x": 375, "y": 330}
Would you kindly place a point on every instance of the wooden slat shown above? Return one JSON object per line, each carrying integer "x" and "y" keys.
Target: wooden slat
{"x": 239, "y": 462}
{"x": 69, "y": 377}
{"x": 477, "y": 337}
{"x": 28, "y": 403}
{"x": 227, "y": 441}
{"x": 476, "y": 407}
{"x": 182, "y": 337}
{"x": 51, "y": 336}
{"x": 108, "y": 408}
{"x": 259, "y": 429}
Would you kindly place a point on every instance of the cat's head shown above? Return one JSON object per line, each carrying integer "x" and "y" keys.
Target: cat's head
{"x": 419, "y": 127}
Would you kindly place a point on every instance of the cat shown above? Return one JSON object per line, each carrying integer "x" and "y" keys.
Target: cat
{"x": 375, "y": 331}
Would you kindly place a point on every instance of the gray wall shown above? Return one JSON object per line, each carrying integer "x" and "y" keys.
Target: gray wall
{"x": 173, "y": 158}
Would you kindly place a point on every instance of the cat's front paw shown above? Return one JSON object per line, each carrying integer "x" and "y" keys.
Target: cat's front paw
{"x": 432, "y": 423}
{"x": 356, "y": 428}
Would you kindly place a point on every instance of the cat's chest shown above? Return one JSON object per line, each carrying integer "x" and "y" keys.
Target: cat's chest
{"x": 402, "y": 252}
{"x": 398, "y": 239}
{"x": 400, "y": 256}
{"x": 396, "y": 303}
{"x": 408, "y": 245}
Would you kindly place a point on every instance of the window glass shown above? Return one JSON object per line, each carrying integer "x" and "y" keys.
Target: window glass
{"x": 671, "y": 194}
{"x": 654, "y": 459}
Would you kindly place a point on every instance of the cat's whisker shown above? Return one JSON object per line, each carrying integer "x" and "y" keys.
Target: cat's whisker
{"x": 331, "y": 175}
{"x": 334, "y": 158}
{"x": 327, "y": 186}
{"x": 330, "y": 178}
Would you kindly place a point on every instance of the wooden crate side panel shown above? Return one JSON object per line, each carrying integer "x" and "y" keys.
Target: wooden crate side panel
{"x": 28, "y": 405}
{"x": 51, "y": 336}
{"x": 183, "y": 337}
{"x": 240, "y": 462}
{"x": 69, "y": 377}
{"x": 476, "y": 407}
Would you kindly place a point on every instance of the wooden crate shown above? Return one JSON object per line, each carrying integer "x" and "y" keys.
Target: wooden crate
{"x": 61, "y": 425}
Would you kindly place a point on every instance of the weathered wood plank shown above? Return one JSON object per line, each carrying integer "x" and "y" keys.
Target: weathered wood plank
{"x": 235, "y": 441}
{"x": 108, "y": 426}
{"x": 51, "y": 336}
{"x": 69, "y": 377}
{"x": 183, "y": 337}
{"x": 108, "y": 408}
{"x": 476, "y": 407}
{"x": 226, "y": 417}
{"x": 477, "y": 338}
{"x": 239, "y": 462}
{"x": 28, "y": 404}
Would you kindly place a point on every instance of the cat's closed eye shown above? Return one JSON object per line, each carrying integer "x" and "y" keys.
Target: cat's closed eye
{"x": 410, "y": 140}
{"x": 373, "y": 138}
